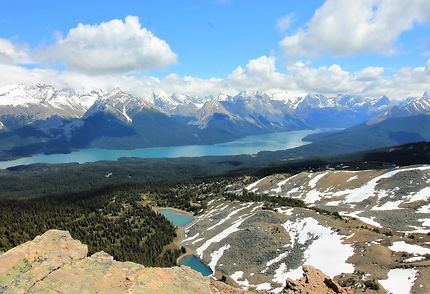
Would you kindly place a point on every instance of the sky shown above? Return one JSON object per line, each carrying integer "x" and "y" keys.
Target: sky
{"x": 286, "y": 48}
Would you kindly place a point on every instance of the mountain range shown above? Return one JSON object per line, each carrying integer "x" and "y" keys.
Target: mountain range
{"x": 44, "y": 119}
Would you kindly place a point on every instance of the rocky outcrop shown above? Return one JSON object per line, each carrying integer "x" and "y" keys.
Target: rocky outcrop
{"x": 314, "y": 281}
{"x": 56, "y": 263}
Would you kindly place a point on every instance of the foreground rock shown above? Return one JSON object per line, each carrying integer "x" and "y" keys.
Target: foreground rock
{"x": 314, "y": 281}
{"x": 56, "y": 263}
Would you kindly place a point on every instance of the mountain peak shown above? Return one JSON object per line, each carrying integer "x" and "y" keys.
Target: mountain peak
{"x": 116, "y": 91}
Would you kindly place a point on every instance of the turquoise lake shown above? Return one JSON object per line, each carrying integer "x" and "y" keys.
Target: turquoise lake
{"x": 176, "y": 218}
{"x": 196, "y": 264}
{"x": 246, "y": 145}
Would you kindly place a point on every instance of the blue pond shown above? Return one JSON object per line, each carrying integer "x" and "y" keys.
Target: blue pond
{"x": 196, "y": 264}
{"x": 176, "y": 218}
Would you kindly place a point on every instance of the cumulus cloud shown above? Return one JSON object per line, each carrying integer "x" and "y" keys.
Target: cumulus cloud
{"x": 110, "y": 47}
{"x": 12, "y": 53}
{"x": 259, "y": 74}
{"x": 343, "y": 28}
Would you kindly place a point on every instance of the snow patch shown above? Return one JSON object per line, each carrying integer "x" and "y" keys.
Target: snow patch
{"x": 414, "y": 259}
{"x": 422, "y": 195}
{"x": 263, "y": 287}
{"x": 191, "y": 238}
{"x": 238, "y": 278}
{"x": 230, "y": 215}
{"x": 224, "y": 234}
{"x": 400, "y": 281}
{"x": 368, "y": 189}
{"x": 352, "y": 178}
{"x": 390, "y": 205}
{"x": 366, "y": 220}
{"x": 323, "y": 242}
{"x": 316, "y": 179}
{"x": 216, "y": 255}
{"x": 402, "y": 246}
{"x": 253, "y": 185}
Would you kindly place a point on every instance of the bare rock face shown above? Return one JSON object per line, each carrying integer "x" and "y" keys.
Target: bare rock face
{"x": 56, "y": 263}
{"x": 23, "y": 266}
{"x": 314, "y": 281}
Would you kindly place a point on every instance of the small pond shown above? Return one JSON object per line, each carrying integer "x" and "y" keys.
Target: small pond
{"x": 196, "y": 264}
{"x": 177, "y": 218}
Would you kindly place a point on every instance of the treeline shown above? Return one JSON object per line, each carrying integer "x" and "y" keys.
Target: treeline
{"x": 270, "y": 202}
{"x": 190, "y": 195}
{"x": 112, "y": 219}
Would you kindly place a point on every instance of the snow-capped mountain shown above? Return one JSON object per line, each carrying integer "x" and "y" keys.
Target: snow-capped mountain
{"x": 21, "y": 104}
{"x": 120, "y": 104}
{"x": 42, "y": 118}
{"x": 178, "y": 104}
{"x": 338, "y": 111}
{"x": 422, "y": 104}
{"x": 260, "y": 110}
{"x": 340, "y": 101}
{"x": 411, "y": 107}
{"x": 419, "y": 105}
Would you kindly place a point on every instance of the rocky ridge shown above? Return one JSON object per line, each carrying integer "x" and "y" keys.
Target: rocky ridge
{"x": 314, "y": 281}
{"x": 56, "y": 263}
{"x": 395, "y": 198}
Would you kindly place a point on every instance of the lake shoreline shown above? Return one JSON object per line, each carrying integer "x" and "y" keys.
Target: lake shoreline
{"x": 158, "y": 208}
{"x": 180, "y": 231}
{"x": 249, "y": 145}
{"x": 180, "y": 236}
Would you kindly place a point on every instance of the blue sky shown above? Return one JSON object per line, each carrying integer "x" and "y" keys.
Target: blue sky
{"x": 212, "y": 38}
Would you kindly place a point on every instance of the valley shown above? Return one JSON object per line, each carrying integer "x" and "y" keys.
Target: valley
{"x": 365, "y": 225}
{"x": 44, "y": 120}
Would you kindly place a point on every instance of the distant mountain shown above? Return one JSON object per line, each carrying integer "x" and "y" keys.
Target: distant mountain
{"x": 411, "y": 107}
{"x": 41, "y": 118}
{"x": 21, "y": 105}
{"x": 178, "y": 104}
{"x": 246, "y": 114}
{"x": 389, "y": 132}
{"x": 319, "y": 111}
{"x": 119, "y": 104}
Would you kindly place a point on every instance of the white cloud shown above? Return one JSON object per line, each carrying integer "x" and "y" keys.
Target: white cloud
{"x": 283, "y": 23}
{"x": 259, "y": 74}
{"x": 370, "y": 73}
{"x": 342, "y": 27}
{"x": 13, "y": 53}
{"x": 110, "y": 47}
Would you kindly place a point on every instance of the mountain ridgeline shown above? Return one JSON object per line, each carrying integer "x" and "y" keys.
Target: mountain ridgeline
{"x": 43, "y": 119}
